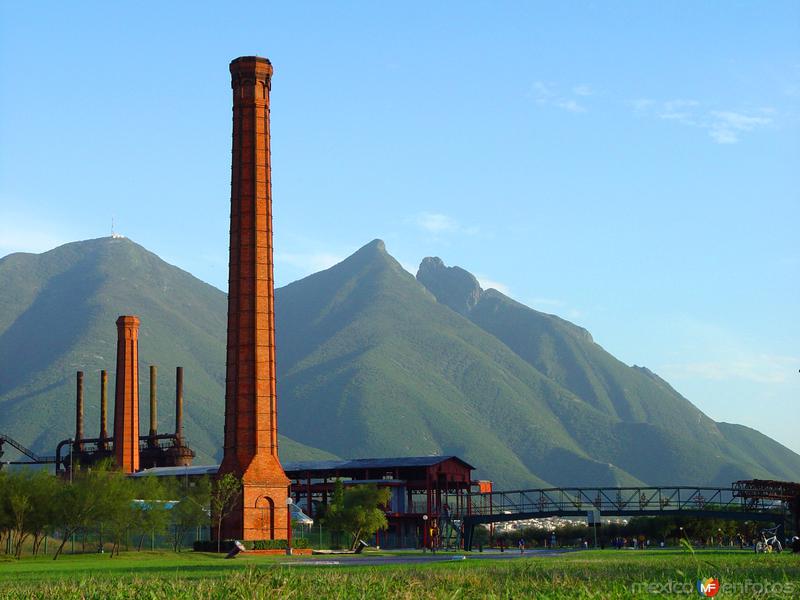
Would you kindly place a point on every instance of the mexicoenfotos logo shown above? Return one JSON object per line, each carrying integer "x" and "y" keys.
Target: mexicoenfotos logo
{"x": 711, "y": 586}
{"x": 708, "y": 587}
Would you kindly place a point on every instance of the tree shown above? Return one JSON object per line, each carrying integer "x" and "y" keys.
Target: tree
{"x": 357, "y": 510}
{"x": 118, "y": 512}
{"x": 85, "y": 501}
{"x": 43, "y": 491}
{"x": 191, "y": 508}
{"x": 5, "y": 517}
{"x": 19, "y": 507}
{"x": 332, "y": 514}
{"x": 224, "y": 493}
{"x": 151, "y": 513}
{"x": 26, "y": 506}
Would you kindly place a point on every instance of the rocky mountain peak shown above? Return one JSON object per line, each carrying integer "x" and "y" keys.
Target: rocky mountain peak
{"x": 452, "y": 286}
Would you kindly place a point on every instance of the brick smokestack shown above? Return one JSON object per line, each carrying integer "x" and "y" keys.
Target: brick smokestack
{"x": 103, "y": 408}
{"x": 251, "y": 430}
{"x": 152, "y": 442}
{"x": 126, "y": 396}
{"x": 179, "y": 405}
{"x": 78, "y": 445}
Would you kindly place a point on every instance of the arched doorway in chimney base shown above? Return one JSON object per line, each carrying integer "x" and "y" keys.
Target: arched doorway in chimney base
{"x": 266, "y": 514}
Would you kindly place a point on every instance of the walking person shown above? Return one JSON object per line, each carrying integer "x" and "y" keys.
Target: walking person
{"x": 521, "y": 545}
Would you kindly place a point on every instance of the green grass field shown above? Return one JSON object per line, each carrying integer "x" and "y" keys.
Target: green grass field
{"x": 592, "y": 574}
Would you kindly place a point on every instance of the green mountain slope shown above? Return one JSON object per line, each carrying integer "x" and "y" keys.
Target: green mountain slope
{"x": 57, "y": 315}
{"x": 371, "y": 362}
{"x": 648, "y": 429}
{"x": 756, "y": 447}
{"x": 372, "y": 365}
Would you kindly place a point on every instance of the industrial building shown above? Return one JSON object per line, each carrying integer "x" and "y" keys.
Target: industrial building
{"x": 129, "y": 450}
{"x": 425, "y": 489}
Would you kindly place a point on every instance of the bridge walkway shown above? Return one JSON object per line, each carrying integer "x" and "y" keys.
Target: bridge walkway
{"x": 708, "y": 502}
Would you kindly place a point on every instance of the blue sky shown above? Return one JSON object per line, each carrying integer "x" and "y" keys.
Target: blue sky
{"x": 630, "y": 166}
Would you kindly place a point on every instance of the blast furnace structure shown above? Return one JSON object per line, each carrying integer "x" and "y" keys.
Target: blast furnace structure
{"x": 251, "y": 429}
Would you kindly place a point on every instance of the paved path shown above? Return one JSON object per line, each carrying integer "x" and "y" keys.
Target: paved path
{"x": 343, "y": 560}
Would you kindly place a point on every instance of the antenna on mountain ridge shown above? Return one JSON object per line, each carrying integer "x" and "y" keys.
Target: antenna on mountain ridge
{"x": 115, "y": 235}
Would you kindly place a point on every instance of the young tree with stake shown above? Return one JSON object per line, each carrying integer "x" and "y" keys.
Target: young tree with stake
{"x": 223, "y": 498}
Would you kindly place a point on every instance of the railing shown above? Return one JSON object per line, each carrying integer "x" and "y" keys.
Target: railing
{"x": 629, "y": 500}
{"x": 35, "y": 458}
{"x": 492, "y": 507}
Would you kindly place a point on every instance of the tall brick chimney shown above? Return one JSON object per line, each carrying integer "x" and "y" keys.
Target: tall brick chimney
{"x": 126, "y": 398}
{"x": 251, "y": 430}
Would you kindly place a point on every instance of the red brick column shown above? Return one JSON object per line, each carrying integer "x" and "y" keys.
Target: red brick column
{"x": 251, "y": 429}
{"x": 126, "y": 398}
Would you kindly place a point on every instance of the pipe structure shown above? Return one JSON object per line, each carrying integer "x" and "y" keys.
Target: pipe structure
{"x": 179, "y": 405}
{"x": 78, "y": 445}
{"x": 153, "y": 405}
{"x": 103, "y": 408}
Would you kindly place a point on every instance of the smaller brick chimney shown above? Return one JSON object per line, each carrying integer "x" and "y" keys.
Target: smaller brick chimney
{"x": 126, "y": 397}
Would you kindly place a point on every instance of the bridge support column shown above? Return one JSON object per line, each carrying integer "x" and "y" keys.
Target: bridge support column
{"x": 469, "y": 534}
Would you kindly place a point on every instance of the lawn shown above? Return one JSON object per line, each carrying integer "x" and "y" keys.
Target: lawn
{"x": 592, "y": 574}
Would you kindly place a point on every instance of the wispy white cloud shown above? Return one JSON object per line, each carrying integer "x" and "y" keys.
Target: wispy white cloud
{"x": 440, "y": 224}
{"x": 724, "y": 136}
{"x": 723, "y": 126}
{"x": 436, "y": 222}
{"x": 679, "y": 110}
{"x": 727, "y": 124}
{"x": 583, "y": 90}
{"x": 571, "y": 106}
{"x": 542, "y": 92}
{"x": 753, "y": 367}
{"x": 488, "y": 283}
{"x": 641, "y": 105}
{"x": 712, "y": 353}
{"x": 548, "y": 94}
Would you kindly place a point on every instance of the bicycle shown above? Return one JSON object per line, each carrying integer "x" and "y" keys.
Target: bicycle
{"x": 768, "y": 544}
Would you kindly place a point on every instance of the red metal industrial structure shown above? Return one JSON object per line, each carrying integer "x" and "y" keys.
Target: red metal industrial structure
{"x": 129, "y": 450}
{"x": 426, "y": 488}
{"x": 755, "y": 491}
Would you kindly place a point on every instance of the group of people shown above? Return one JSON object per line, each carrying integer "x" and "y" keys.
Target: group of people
{"x": 637, "y": 543}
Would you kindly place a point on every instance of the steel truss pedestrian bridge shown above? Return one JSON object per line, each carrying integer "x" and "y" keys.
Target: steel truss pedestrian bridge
{"x": 34, "y": 459}
{"x": 722, "y": 503}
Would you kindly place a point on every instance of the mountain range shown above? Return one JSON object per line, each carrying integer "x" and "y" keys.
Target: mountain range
{"x": 372, "y": 361}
